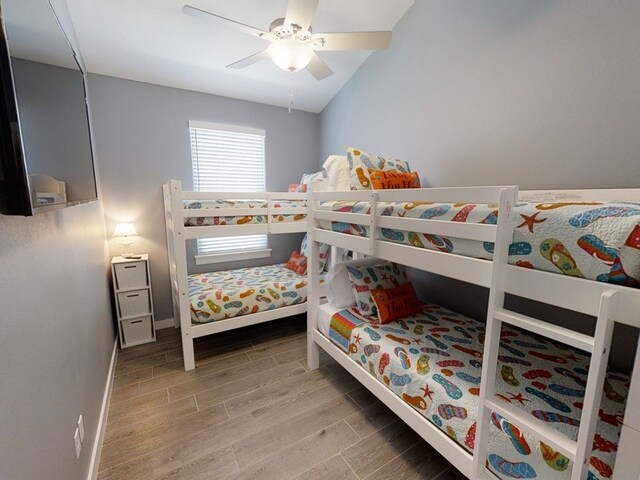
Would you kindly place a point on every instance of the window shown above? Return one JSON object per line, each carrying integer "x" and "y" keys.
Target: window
{"x": 227, "y": 158}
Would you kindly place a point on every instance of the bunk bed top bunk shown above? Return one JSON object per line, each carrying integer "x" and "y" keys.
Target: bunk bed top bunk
{"x": 393, "y": 360}
{"x": 585, "y": 239}
{"x": 215, "y": 214}
{"x": 433, "y": 230}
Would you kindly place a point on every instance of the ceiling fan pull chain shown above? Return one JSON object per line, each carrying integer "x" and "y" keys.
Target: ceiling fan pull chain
{"x": 290, "y": 92}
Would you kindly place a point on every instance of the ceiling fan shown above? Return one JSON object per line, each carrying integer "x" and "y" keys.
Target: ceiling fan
{"x": 293, "y": 45}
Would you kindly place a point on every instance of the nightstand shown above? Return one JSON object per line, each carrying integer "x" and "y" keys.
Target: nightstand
{"x": 134, "y": 302}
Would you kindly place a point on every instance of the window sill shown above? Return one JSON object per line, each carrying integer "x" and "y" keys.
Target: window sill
{"x": 211, "y": 258}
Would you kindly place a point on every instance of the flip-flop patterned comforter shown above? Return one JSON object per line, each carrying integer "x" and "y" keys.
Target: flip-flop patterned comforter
{"x": 241, "y": 219}
{"x": 231, "y": 293}
{"x": 598, "y": 241}
{"x": 433, "y": 361}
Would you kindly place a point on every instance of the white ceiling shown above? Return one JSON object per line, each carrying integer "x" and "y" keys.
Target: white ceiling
{"x": 152, "y": 41}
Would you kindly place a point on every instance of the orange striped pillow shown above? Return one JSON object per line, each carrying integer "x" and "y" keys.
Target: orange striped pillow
{"x": 395, "y": 303}
{"x": 389, "y": 179}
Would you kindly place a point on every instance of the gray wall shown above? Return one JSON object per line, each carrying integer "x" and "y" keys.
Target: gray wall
{"x": 56, "y": 342}
{"x": 541, "y": 94}
{"x": 544, "y": 94}
{"x": 142, "y": 140}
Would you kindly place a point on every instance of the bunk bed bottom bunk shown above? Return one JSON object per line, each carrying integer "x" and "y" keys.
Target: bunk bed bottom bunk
{"x": 227, "y": 294}
{"x": 433, "y": 362}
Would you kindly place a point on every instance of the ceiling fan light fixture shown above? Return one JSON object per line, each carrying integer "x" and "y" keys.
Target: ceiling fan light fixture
{"x": 291, "y": 54}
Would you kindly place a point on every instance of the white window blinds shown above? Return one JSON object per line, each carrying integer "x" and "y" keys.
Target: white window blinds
{"x": 227, "y": 158}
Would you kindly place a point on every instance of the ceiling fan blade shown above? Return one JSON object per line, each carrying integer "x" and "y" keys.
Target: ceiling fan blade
{"x": 318, "y": 68}
{"x": 250, "y": 60}
{"x": 351, "y": 41}
{"x": 301, "y": 12}
{"x": 225, "y": 22}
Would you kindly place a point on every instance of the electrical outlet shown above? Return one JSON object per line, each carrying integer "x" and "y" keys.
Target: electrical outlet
{"x": 77, "y": 442}
{"x": 81, "y": 428}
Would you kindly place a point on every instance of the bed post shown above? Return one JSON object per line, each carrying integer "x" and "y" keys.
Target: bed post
{"x": 180, "y": 257}
{"x": 168, "y": 222}
{"x": 313, "y": 287}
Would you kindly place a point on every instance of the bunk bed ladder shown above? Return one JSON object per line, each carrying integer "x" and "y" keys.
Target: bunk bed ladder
{"x": 577, "y": 451}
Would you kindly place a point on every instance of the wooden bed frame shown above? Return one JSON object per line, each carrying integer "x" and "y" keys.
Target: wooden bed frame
{"x": 178, "y": 234}
{"x": 608, "y": 303}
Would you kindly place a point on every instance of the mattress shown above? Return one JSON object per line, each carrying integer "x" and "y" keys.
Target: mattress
{"x": 593, "y": 240}
{"x": 433, "y": 362}
{"x": 325, "y": 313}
{"x": 231, "y": 293}
{"x": 240, "y": 219}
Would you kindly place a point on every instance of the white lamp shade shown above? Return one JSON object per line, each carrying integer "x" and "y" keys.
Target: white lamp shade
{"x": 291, "y": 54}
{"x": 125, "y": 230}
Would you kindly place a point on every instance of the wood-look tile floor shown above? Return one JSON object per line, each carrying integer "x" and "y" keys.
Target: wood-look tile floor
{"x": 252, "y": 410}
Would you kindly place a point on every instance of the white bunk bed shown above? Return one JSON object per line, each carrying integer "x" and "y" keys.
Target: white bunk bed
{"x": 607, "y": 302}
{"x": 184, "y": 222}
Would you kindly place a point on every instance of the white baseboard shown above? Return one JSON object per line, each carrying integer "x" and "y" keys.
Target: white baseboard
{"x": 166, "y": 323}
{"x": 102, "y": 420}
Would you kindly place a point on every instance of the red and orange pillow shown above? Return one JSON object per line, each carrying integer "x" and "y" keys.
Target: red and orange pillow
{"x": 388, "y": 179}
{"x": 297, "y": 263}
{"x": 365, "y": 278}
{"x": 395, "y": 303}
{"x": 297, "y": 187}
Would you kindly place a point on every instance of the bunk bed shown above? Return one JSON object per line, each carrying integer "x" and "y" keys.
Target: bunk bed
{"x": 215, "y": 302}
{"x": 467, "y": 410}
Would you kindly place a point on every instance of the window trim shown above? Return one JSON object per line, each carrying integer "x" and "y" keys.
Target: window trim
{"x": 227, "y": 128}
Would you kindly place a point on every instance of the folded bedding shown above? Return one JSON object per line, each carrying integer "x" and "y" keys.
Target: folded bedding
{"x": 231, "y": 293}
{"x": 593, "y": 240}
{"x": 240, "y": 219}
{"x": 433, "y": 362}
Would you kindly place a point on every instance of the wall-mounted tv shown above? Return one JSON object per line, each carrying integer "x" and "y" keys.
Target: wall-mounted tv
{"x": 46, "y": 159}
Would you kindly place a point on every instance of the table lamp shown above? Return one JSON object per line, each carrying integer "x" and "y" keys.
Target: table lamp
{"x": 125, "y": 231}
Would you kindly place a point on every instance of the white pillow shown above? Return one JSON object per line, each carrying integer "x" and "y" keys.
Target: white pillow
{"x": 319, "y": 186}
{"x": 337, "y": 168}
{"x": 341, "y": 256}
{"x": 338, "y": 285}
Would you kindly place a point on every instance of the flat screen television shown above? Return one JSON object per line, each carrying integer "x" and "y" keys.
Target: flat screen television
{"x": 46, "y": 158}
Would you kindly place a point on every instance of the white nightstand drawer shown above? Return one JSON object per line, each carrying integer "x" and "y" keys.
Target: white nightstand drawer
{"x": 134, "y": 303}
{"x": 137, "y": 330}
{"x": 131, "y": 275}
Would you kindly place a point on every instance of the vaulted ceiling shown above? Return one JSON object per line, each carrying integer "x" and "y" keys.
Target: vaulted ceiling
{"x": 152, "y": 41}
